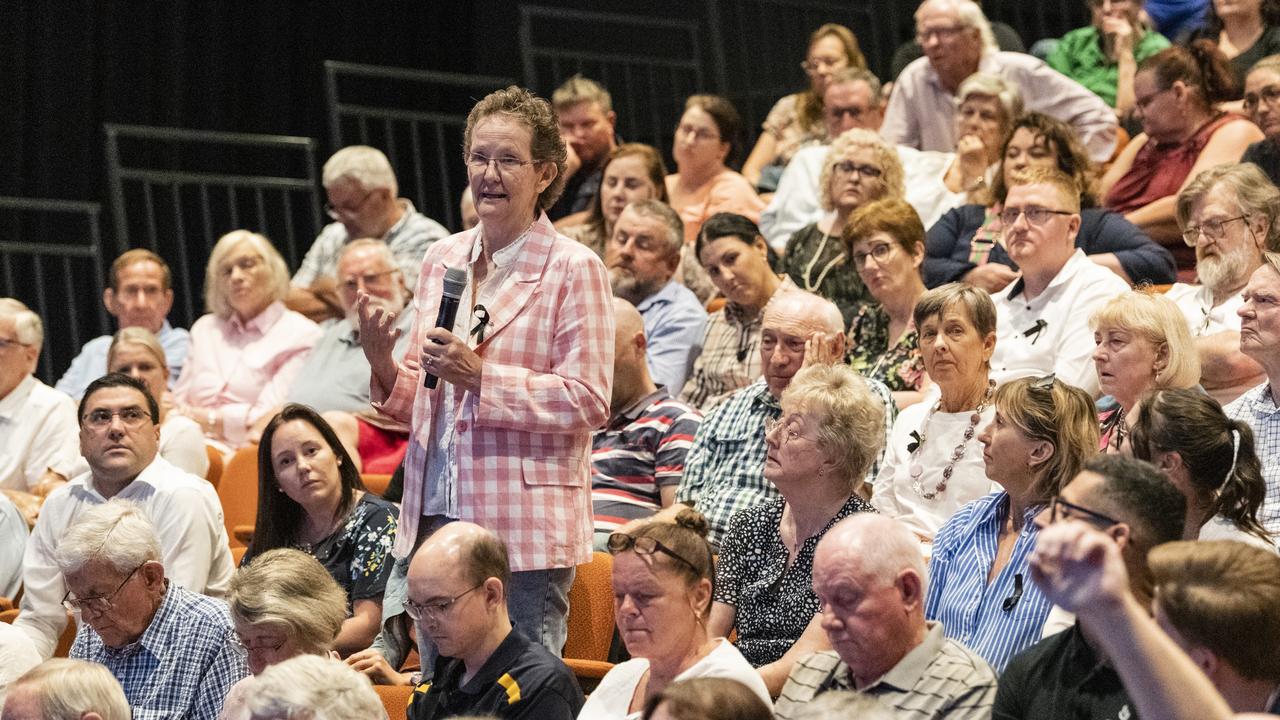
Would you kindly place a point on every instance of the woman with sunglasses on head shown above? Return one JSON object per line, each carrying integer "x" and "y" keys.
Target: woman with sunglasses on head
{"x": 830, "y": 431}
{"x": 663, "y": 579}
{"x": 1209, "y": 457}
{"x": 980, "y": 586}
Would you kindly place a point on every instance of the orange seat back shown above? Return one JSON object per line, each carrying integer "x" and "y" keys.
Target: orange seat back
{"x": 214, "y": 473}
{"x": 238, "y": 491}
{"x": 376, "y": 484}
{"x": 8, "y": 616}
{"x": 591, "y": 610}
{"x": 395, "y": 699}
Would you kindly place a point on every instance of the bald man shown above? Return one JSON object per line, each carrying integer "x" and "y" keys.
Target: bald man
{"x": 458, "y": 584}
{"x": 870, "y": 577}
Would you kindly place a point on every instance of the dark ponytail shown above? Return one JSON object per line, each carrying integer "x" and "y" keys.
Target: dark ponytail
{"x": 1200, "y": 66}
{"x": 1243, "y": 490}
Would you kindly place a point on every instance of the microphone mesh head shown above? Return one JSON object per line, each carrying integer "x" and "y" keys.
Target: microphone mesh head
{"x": 455, "y": 281}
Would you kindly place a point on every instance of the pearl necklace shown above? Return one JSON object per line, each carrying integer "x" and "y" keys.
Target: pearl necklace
{"x": 822, "y": 275}
{"x": 916, "y": 470}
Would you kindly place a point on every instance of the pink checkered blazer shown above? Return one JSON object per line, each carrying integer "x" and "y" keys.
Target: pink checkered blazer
{"x": 523, "y": 445}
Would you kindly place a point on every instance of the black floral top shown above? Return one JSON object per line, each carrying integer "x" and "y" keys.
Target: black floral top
{"x": 358, "y": 556}
{"x": 774, "y": 601}
{"x": 900, "y": 367}
{"x": 820, "y": 267}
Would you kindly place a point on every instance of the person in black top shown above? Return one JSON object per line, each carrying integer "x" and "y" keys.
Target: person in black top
{"x": 458, "y": 584}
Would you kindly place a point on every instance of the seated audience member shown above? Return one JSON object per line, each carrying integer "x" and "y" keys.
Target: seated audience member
{"x": 986, "y": 107}
{"x": 633, "y": 172}
{"x": 315, "y": 688}
{"x": 932, "y": 465}
{"x": 1260, "y": 340}
{"x": 37, "y": 423}
{"x": 1186, "y": 435}
{"x": 249, "y": 349}
{"x": 1183, "y": 133}
{"x": 310, "y": 497}
{"x": 1142, "y": 344}
{"x": 1220, "y": 602}
{"x": 724, "y": 470}
{"x": 1058, "y": 290}
{"x": 362, "y": 192}
{"x": 17, "y": 655}
{"x": 1104, "y": 55}
{"x": 173, "y": 650}
{"x": 736, "y": 258}
{"x": 119, "y": 438}
{"x": 584, "y": 112}
{"x": 334, "y": 378}
{"x": 283, "y": 604}
{"x": 1228, "y": 251}
{"x": 1244, "y": 32}
{"x": 844, "y": 704}
{"x": 137, "y": 353}
{"x": 458, "y": 584}
{"x": 886, "y": 245}
{"x": 707, "y": 698}
{"x": 13, "y": 543}
{"x": 979, "y": 589}
{"x": 467, "y": 209}
{"x": 1006, "y": 38}
{"x": 957, "y": 43}
{"x": 965, "y": 244}
{"x": 644, "y": 252}
{"x": 871, "y": 580}
{"x": 662, "y": 588}
{"x": 819, "y": 450}
{"x": 140, "y": 294}
{"x": 709, "y": 136}
{"x": 1135, "y": 506}
{"x": 65, "y": 689}
{"x": 797, "y": 120}
{"x": 859, "y": 169}
{"x": 1262, "y": 105}
{"x": 637, "y": 459}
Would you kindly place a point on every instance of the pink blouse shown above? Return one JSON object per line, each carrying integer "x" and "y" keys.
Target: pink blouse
{"x": 727, "y": 192}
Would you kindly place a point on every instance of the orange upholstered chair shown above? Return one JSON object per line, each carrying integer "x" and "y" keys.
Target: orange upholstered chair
{"x": 376, "y": 484}
{"x": 586, "y": 650}
{"x": 214, "y": 474}
{"x": 8, "y": 616}
{"x": 395, "y": 699}
{"x": 238, "y": 492}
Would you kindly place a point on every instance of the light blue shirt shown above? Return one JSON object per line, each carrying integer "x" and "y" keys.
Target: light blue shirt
{"x": 674, "y": 323}
{"x": 91, "y": 363}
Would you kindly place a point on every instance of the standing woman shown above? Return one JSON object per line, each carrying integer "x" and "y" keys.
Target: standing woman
{"x": 503, "y": 440}
{"x": 634, "y": 172}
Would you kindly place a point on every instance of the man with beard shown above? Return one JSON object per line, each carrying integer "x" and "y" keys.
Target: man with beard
{"x": 642, "y": 256}
{"x": 1227, "y": 214}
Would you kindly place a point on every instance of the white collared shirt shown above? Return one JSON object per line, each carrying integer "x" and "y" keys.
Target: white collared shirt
{"x": 1063, "y": 343}
{"x": 188, "y": 523}
{"x": 38, "y": 432}
{"x": 1196, "y": 304}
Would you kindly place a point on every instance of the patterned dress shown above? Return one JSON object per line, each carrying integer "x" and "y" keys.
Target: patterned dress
{"x": 358, "y": 555}
{"x": 899, "y": 367}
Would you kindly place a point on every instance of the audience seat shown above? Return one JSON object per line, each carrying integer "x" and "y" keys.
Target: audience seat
{"x": 214, "y": 474}
{"x": 6, "y": 603}
{"x": 63, "y": 648}
{"x": 376, "y": 484}
{"x": 9, "y": 615}
{"x": 238, "y": 491}
{"x": 586, "y": 650}
{"x": 237, "y": 554}
{"x": 395, "y": 699}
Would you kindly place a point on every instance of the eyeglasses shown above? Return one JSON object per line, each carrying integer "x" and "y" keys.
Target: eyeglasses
{"x": 433, "y": 611}
{"x": 133, "y": 417}
{"x": 1212, "y": 229}
{"x": 816, "y": 64}
{"x": 1034, "y": 215}
{"x": 506, "y": 164}
{"x": 240, "y": 642}
{"x": 945, "y": 32}
{"x": 698, "y": 134}
{"x": 622, "y": 542}
{"x": 1060, "y": 509}
{"x": 879, "y": 252}
{"x": 849, "y": 167}
{"x": 1269, "y": 95}
{"x": 337, "y": 213}
{"x": 853, "y": 112}
{"x": 97, "y": 603}
{"x": 372, "y": 280}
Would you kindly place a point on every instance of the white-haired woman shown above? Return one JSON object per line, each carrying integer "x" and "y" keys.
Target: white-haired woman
{"x": 830, "y": 432}
{"x": 66, "y": 689}
{"x": 315, "y": 688}
{"x": 248, "y": 350}
{"x": 987, "y": 106}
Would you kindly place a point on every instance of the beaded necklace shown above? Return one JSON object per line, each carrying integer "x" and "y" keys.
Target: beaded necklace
{"x": 812, "y": 286}
{"x": 916, "y": 470}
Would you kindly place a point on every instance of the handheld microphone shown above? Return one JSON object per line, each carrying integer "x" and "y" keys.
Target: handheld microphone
{"x": 455, "y": 281}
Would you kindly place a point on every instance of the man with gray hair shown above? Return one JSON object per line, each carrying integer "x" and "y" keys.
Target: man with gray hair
{"x": 957, "y": 42}
{"x": 173, "y": 650}
{"x": 364, "y": 203}
{"x": 642, "y": 257}
{"x": 38, "y": 450}
{"x": 871, "y": 579}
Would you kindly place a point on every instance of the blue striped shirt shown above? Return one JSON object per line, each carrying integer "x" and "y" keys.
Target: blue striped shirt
{"x": 971, "y": 610}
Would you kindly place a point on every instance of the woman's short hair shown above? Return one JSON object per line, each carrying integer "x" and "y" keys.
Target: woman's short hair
{"x": 851, "y": 431}
{"x": 142, "y": 338}
{"x": 1256, "y": 195}
{"x": 686, "y": 537}
{"x": 215, "y": 299}
{"x": 1200, "y": 66}
{"x": 68, "y": 689}
{"x": 726, "y": 118}
{"x": 709, "y": 698}
{"x": 115, "y": 532}
{"x": 1159, "y": 321}
{"x": 290, "y": 590}
{"x": 1270, "y": 63}
{"x": 891, "y": 215}
{"x": 890, "y": 165}
{"x": 280, "y": 516}
{"x": 314, "y": 687}
{"x": 976, "y": 302}
{"x": 1049, "y": 410}
{"x": 1063, "y": 141}
{"x": 536, "y": 114}
{"x": 655, "y": 170}
{"x": 994, "y": 86}
{"x": 363, "y": 164}
{"x": 1218, "y": 452}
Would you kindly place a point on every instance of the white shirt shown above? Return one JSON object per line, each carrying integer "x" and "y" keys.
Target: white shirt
{"x": 38, "y": 432}
{"x": 188, "y": 523}
{"x": 17, "y": 655}
{"x": 1196, "y": 304}
{"x": 1064, "y": 344}
{"x": 894, "y": 495}
{"x": 182, "y": 443}
{"x": 612, "y": 697}
{"x": 13, "y": 543}
{"x": 1220, "y": 528}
